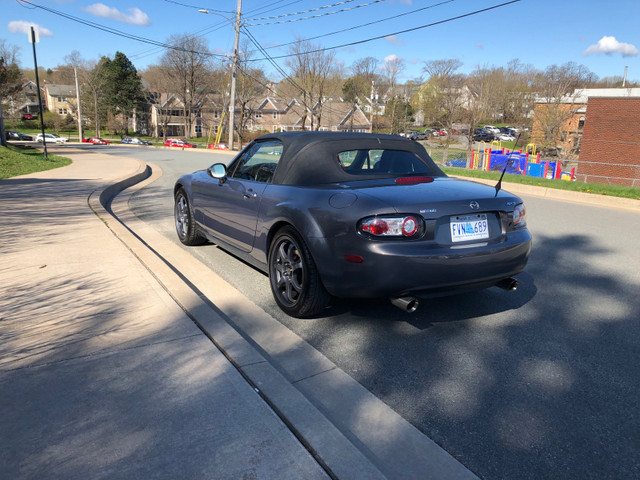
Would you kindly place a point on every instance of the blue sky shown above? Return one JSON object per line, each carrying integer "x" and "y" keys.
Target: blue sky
{"x": 602, "y": 35}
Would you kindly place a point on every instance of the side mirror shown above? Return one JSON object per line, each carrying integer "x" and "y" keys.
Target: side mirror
{"x": 217, "y": 170}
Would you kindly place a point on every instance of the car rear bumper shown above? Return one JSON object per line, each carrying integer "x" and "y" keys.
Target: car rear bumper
{"x": 419, "y": 268}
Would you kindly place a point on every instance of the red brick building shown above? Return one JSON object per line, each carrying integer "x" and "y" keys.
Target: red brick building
{"x": 610, "y": 149}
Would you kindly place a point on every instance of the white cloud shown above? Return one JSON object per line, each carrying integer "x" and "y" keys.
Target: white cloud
{"x": 609, "y": 46}
{"x": 134, "y": 16}
{"x": 22, "y": 26}
{"x": 391, "y": 58}
{"x": 393, "y": 40}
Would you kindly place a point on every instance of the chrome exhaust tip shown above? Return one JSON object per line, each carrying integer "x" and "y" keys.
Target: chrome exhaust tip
{"x": 510, "y": 284}
{"x": 406, "y": 304}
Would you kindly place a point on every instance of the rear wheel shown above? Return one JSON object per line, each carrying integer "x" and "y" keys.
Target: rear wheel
{"x": 294, "y": 277}
{"x": 185, "y": 223}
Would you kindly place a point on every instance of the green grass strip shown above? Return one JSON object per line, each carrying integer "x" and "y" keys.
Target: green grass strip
{"x": 595, "y": 188}
{"x": 20, "y": 160}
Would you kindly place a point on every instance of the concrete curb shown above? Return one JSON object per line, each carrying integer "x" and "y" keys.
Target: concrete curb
{"x": 330, "y": 448}
{"x": 349, "y": 431}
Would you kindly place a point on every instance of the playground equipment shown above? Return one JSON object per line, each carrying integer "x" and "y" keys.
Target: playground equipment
{"x": 517, "y": 163}
{"x": 218, "y": 132}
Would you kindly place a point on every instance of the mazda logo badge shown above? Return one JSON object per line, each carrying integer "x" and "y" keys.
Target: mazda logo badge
{"x": 474, "y": 205}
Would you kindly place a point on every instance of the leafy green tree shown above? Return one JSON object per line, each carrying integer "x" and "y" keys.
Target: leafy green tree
{"x": 122, "y": 88}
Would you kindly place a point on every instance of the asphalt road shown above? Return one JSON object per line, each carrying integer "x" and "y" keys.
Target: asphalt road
{"x": 534, "y": 384}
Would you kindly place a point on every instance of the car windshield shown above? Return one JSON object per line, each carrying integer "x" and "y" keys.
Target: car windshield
{"x": 382, "y": 162}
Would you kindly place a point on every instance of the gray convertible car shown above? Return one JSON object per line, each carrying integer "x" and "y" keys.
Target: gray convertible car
{"x": 353, "y": 215}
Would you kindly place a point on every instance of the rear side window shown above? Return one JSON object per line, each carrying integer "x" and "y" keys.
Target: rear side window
{"x": 382, "y": 162}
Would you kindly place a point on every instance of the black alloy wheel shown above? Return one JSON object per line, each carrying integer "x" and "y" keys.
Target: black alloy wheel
{"x": 293, "y": 275}
{"x": 185, "y": 224}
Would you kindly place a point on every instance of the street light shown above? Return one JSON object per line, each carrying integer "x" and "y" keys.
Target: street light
{"x": 234, "y": 70}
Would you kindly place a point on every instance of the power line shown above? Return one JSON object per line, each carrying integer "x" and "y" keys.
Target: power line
{"x": 114, "y": 31}
{"x": 379, "y": 37}
{"x": 315, "y": 16}
{"x": 286, "y": 77}
{"x": 258, "y": 11}
{"x": 355, "y": 27}
{"x": 198, "y": 7}
{"x": 273, "y": 62}
{"x": 302, "y": 12}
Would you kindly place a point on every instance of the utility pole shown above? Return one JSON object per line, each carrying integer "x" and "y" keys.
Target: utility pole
{"x": 372, "y": 107}
{"x": 33, "y": 38}
{"x": 80, "y": 135}
{"x": 234, "y": 68}
{"x": 234, "y": 74}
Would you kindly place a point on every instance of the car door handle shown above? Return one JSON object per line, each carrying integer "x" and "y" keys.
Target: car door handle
{"x": 249, "y": 196}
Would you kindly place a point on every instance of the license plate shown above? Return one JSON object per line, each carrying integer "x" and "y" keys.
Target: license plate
{"x": 469, "y": 227}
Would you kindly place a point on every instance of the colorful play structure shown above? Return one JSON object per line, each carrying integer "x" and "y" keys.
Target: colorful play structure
{"x": 527, "y": 162}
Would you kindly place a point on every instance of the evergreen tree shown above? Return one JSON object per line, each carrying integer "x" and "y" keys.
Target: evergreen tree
{"x": 122, "y": 89}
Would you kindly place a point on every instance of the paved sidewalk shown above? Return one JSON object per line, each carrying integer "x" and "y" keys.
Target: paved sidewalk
{"x": 102, "y": 375}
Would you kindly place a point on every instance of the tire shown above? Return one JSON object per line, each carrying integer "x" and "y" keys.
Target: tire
{"x": 293, "y": 275}
{"x": 185, "y": 224}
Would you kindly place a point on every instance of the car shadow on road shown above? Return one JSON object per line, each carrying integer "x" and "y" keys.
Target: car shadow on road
{"x": 537, "y": 383}
{"x": 447, "y": 308}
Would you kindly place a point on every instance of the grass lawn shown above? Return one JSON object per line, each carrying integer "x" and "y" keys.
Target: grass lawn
{"x": 595, "y": 188}
{"x": 19, "y": 160}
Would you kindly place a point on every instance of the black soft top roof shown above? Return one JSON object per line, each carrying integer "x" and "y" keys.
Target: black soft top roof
{"x": 311, "y": 158}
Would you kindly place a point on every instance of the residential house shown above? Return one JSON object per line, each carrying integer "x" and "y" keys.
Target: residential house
{"x": 60, "y": 99}
{"x": 25, "y": 101}
{"x": 270, "y": 114}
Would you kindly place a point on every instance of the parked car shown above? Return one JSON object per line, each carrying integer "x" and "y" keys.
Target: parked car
{"x": 329, "y": 214}
{"x": 492, "y": 129}
{"x": 51, "y": 138}
{"x": 135, "y": 141}
{"x": 218, "y": 146}
{"x": 13, "y": 135}
{"x": 28, "y": 116}
{"x": 96, "y": 141}
{"x": 418, "y": 136}
{"x": 506, "y": 137}
{"x": 484, "y": 137}
{"x": 175, "y": 142}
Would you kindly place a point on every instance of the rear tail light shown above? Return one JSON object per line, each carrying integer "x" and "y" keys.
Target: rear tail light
{"x": 519, "y": 216}
{"x": 404, "y": 226}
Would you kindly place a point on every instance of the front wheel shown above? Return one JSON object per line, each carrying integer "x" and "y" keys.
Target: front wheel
{"x": 293, "y": 275}
{"x": 185, "y": 223}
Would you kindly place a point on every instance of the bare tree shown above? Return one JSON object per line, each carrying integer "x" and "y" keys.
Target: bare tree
{"x": 188, "y": 63}
{"x": 557, "y": 89}
{"x": 444, "y": 97}
{"x": 478, "y": 86}
{"x": 160, "y": 85}
{"x": 9, "y": 52}
{"x": 251, "y": 83}
{"x": 311, "y": 68}
{"x": 514, "y": 100}
{"x": 395, "y": 103}
{"x": 94, "y": 94}
{"x": 358, "y": 86}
